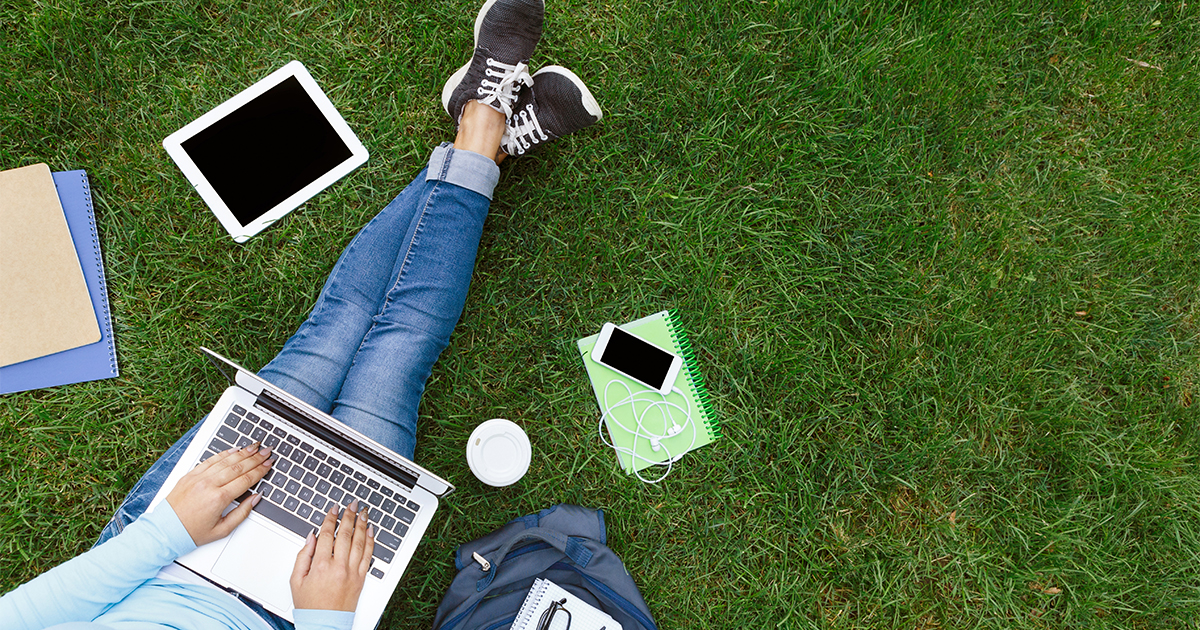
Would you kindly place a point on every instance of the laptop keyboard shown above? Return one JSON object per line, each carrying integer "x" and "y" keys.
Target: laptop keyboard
{"x": 306, "y": 480}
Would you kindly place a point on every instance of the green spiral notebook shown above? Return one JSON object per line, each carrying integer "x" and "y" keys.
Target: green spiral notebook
{"x": 665, "y": 330}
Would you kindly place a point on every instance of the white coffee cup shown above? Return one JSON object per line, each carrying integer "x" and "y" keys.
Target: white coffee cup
{"x": 498, "y": 452}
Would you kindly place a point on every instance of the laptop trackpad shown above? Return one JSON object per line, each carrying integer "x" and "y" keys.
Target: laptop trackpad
{"x": 258, "y": 563}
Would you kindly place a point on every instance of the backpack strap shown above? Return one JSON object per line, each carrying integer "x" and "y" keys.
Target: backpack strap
{"x": 573, "y": 548}
{"x": 571, "y": 520}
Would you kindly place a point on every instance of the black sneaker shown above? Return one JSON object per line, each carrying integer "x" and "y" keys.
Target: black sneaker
{"x": 558, "y": 104}
{"x": 506, "y": 32}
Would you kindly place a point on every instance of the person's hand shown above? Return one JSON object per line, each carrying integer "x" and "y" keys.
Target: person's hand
{"x": 330, "y": 569}
{"x": 202, "y": 494}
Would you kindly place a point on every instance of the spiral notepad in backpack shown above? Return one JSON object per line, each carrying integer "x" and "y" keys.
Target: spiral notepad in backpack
{"x": 665, "y": 330}
{"x": 544, "y": 593}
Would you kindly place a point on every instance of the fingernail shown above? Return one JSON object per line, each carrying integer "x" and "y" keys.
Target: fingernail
{"x": 363, "y": 514}
{"x": 254, "y": 501}
{"x": 371, "y": 531}
{"x": 254, "y": 447}
{"x": 353, "y": 507}
{"x": 311, "y": 538}
{"x": 267, "y": 452}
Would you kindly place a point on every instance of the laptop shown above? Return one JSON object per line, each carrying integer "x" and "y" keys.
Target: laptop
{"x": 320, "y": 462}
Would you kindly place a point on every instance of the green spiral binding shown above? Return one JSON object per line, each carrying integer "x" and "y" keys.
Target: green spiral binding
{"x": 684, "y": 345}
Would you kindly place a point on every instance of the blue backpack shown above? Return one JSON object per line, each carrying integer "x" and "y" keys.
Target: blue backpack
{"x": 564, "y": 544}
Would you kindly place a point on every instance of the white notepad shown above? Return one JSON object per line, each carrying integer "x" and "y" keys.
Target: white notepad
{"x": 584, "y": 616}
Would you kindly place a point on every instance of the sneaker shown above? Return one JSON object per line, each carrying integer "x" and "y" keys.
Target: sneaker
{"x": 558, "y": 104}
{"x": 506, "y": 32}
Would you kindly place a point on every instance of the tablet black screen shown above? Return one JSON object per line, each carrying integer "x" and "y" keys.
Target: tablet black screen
{"x": 267, "y": 150}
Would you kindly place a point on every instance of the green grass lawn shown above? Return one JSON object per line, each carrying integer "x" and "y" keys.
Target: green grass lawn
{"x": 940, "y": 263}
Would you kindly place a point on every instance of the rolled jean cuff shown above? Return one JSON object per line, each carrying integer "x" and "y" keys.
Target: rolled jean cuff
{"x": 465, "y": 169}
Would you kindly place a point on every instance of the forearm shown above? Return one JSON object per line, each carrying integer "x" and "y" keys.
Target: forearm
{"x": 323, "y": 619}
{"x": 85, "y": 586}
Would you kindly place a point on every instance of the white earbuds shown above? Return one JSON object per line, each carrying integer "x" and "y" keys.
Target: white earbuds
{"x": 652, "y": 400}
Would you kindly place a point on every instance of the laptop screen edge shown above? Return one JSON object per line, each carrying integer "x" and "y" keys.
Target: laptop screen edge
{"x": 252, "y": 383}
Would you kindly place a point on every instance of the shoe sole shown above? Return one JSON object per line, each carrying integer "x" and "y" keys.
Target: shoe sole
{"x": 479, "y": 20}
{"x": 457, "y": 77}
{"x": 589, "y": 102}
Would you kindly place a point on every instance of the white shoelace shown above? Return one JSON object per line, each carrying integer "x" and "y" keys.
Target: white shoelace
{"x": 523, "y": 132}
{"x": 501, "y": 95}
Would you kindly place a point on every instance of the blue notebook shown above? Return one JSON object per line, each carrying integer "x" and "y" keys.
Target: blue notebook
{"x": 86, "y": 363}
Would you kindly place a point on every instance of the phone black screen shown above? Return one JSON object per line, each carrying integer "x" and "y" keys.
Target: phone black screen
{"x": 629, "y": 354}
{"x": 267, "y": 150}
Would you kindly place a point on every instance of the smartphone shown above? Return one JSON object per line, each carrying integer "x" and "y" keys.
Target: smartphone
{"x": 636, "y": 358}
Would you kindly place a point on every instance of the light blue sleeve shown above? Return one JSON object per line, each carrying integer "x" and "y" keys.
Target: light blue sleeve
{"x": 323, "y": 619}
{"x": 84, "y": 587}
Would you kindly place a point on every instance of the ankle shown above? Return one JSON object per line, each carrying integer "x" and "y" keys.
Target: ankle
{"x": 480, "y": 129}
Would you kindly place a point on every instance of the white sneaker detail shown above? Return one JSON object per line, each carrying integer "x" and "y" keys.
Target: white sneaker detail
{"x": 523, "y": 131}
{"x": 500, "y": 95}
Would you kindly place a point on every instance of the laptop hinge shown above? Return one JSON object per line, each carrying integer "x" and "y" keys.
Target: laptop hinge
{"x": 287, "y": 412}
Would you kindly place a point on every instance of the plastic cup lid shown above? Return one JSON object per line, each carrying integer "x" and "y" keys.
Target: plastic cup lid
{"x": 498, "y": 452}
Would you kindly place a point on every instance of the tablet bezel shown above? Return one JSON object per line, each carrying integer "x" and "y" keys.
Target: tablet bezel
{"x": 241, "y": 233}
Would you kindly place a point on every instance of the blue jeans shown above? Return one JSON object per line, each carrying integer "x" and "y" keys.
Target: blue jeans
{"x": 383, "y": 317}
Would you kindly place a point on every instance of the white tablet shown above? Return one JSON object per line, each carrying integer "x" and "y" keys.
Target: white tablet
{"x": 267, "y": 150}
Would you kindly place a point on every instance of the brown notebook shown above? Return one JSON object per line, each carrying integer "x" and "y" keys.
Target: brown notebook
{"x": 45, "y": 306}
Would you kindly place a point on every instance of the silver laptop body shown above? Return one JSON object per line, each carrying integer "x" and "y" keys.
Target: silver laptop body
{"x": 320, "y": 460}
